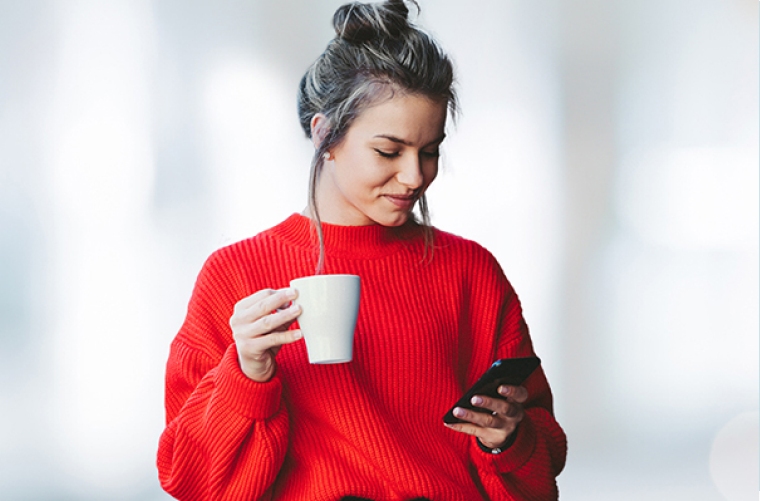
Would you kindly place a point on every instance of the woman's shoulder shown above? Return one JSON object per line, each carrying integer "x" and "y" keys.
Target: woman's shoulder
{"x": 456, "y": 247}
{"x": 478, "y": 263}
{"x": 262, "y": 241}
{"x": 240, "y": 249}
{"x": 451, "y": 241}
{"x": 245, "y": 252}
{"x": 253, "y": 262}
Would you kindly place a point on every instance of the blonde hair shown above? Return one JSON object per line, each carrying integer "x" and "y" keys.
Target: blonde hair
{"x": 375, "y": 49}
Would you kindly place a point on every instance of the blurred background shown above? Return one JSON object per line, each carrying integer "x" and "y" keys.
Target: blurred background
{"x": 607, "y": 154}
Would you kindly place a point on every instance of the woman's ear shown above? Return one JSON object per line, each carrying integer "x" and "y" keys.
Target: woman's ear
{"x": 320, "y": 126}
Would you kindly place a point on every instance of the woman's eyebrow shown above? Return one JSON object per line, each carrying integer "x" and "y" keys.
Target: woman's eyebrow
{"x": 407, "y": 143}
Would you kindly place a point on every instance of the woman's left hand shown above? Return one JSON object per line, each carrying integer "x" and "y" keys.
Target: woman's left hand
{"x": 493, "y": 428}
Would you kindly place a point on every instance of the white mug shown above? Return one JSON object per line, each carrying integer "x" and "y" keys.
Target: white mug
{"x": 329, "y": 308}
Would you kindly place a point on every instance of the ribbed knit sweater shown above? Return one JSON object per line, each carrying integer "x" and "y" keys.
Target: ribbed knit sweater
{"x": 372, "y": 427}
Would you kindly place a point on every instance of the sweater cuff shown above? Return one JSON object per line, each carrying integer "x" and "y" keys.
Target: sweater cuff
{"x": 512, "y": 458}
{"x": 247, "y": 397}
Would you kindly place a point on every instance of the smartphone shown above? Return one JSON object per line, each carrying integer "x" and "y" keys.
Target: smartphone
{"x": 510, "y": 371}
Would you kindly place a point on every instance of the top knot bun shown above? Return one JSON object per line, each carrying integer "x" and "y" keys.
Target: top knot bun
{"x": 361, "y": 22}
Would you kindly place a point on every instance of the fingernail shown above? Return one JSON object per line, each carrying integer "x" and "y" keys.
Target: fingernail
{"x": 297, "y": 334}
{"x": 458, "y": 412}
{"x": 504, "y": 390}
{"x": 291, "y": 294}
{"x": 476, "y": 400}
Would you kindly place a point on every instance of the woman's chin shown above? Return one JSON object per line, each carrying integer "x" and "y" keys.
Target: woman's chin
{"x": 395, "y": 220}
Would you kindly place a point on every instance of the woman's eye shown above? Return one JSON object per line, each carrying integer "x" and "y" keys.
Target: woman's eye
{"x": 386, "y": 154}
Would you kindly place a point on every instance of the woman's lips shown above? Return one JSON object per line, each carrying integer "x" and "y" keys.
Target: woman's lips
{"x": 402, "y": 201}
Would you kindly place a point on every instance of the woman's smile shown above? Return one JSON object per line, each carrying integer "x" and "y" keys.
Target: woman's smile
{"x": 404, "y": 201}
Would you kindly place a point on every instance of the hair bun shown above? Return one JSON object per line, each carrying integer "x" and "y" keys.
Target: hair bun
{"x": 361, "y": 22}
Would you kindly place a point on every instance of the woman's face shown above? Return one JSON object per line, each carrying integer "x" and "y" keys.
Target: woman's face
{"x": 386, "y": 161}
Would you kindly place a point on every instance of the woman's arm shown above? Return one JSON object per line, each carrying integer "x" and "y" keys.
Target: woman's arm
{"x": 226, "y": 434}
{"x": 527, "y": 469}
{"x": 229, "y": 438}
{"x": 533, "y": 446}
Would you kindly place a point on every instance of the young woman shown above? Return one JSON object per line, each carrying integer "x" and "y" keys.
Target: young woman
{"x": 249, "y": 418}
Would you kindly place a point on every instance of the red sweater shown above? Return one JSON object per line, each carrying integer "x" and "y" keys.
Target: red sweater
{"x": 371, "y": 427}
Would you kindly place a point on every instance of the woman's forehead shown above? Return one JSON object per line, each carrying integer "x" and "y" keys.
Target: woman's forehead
{"x": 404, "y": 116}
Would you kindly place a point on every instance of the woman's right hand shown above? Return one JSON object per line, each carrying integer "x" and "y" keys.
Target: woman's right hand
{"x": 260, "y": 327}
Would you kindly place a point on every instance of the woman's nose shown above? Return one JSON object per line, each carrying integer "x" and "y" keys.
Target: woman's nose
{"x": 410, "y": 172}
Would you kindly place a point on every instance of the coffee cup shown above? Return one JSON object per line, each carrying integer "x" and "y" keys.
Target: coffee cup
{"x": 329, "y": 308}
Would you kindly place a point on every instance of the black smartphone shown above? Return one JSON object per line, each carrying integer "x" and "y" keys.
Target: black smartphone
{"x": 510, "y": 371}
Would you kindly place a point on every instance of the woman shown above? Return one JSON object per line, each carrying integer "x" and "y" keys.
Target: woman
{"x": 249, "y": 418}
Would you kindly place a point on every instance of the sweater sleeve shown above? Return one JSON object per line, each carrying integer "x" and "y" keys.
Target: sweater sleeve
{"x": 226, "y": 435}
{"x": 527, "y": 470}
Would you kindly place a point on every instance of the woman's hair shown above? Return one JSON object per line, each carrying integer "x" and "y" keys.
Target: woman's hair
{"x": 376, "y": 51}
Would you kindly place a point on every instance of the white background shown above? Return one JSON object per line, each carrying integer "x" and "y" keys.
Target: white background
{"x": 607, "y": 154}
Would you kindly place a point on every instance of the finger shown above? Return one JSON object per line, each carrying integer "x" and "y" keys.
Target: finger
{"x": 273, "y": 302}
{"x": 481, "y": 419}
{"x": 262, "y": 303}
{"x": 514, "y": 393}
{"x": 280, "y": 320}
{"x": 503, "y": 413}
{"x": 514, "y": 412}
{"x": 498, "y": 405}
{"x": 467, "y": 428}
{"x": 486, "y": 435}
{"x": 268, "y": 299}
{"x": 253, "y": 331}
{"x": 254, "y": 347}
{"x": 254, "y": 298}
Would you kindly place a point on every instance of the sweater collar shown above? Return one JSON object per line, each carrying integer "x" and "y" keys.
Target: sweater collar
{"x": 357, "y": 242}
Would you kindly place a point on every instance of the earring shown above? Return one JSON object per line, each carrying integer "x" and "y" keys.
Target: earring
{"x": 328, "y": 156}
